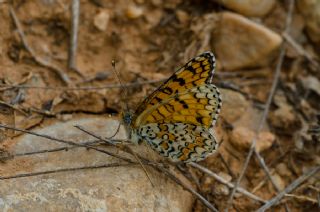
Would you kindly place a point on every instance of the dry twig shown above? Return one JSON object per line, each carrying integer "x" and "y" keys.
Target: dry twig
{"x": 83, "y": 88}
{"x": 267, "y": 107}
{"x": 223, "y": 181}
{"x": 64, "y": 170}
{"x": 290, "y": 188}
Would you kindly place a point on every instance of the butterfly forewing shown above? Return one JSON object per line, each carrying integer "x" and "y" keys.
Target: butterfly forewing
{"x": 197, "y": 72}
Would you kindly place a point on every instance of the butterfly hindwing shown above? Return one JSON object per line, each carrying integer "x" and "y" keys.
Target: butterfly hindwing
{"x": 179, "y": 141}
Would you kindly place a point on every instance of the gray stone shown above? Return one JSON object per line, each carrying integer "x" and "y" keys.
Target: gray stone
{"x": 119, "y": 188}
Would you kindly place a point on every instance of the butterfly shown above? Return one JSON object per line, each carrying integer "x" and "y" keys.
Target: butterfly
{"x": 176, "y": 120}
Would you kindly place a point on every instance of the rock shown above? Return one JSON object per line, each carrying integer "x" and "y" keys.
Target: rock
{"x": 101, "y": 20}
{"x": 183, "y": 17}
{"x": 242, "y": 137}
{"x": 234, "y": 105}
{"x": 120, "y": 187}
{"x": 243, "y": 43}
{"x": 278, "y": 181}
{"x": 284, "y": 117}
{"x": 156, "y": 3}
{"x": 249, "y": 7}
{"x": 311, "y": 83}
{"x": 310, "y": 9}
{"x": 154, "y": 18}
{"x": 134, "y": 11}
{"x": 283, "y": 170}
{"x": 221, "y": 189}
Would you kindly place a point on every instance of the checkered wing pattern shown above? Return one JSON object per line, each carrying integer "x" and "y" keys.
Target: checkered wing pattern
{"x": 175, "y": 120}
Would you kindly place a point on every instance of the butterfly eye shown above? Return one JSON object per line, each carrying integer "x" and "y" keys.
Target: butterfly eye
{"x": 127, "y": 118}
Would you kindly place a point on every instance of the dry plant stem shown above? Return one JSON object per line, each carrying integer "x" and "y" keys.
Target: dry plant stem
{"x": 267, "y": 171}
{"x": 64, "y": 170}
{"x": 302, "y": 198}
{"x": 64, "y": 77}
{"x": 65, "y": 148}
{"x": 67, "y": 142}
{"x": 268, "y": 103}
{"x": 188, "y": 188}
{"x": 261, "y": 123}
{"x": 299, "y": 48}
{"x": 75, "y": 10}
{"x": 289, "y": 189}
{"x": 83, "y": 88}
{"x": 14, "y": 107}
{"x": 223, "y": 181}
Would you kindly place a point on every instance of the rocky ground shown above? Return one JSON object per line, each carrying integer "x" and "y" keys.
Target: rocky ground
{"x": 267, "y": 70}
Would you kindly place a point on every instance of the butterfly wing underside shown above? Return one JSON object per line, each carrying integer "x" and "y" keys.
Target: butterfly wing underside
{"x": 172, "y": 100}
{"x": 175, "y": 119}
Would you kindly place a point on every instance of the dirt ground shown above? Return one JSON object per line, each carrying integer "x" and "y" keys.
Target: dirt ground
{"x": 148, "y": 41}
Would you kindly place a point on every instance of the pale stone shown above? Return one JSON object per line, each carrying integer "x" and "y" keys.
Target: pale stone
{"x": 249, "y": 7}
{"x": 234, "y": 105}
{"x": 242, "y": 138}
{"x": 221, "y": 189}
{"x": 101, "y": 20}
{"x": 279, "y": 181}
{"x": 183, "y": 17}
{"x": 243, "y": 43}
{"x": 134, "y": 11}
{"x": 283, "y": 170}
{"x": 119, "y": 188}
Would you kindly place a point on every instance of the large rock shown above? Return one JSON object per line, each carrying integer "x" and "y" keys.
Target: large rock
{"x": 249, "y": 7}
{"x": 118, "y": 188}
{"x": 242, "y": 43}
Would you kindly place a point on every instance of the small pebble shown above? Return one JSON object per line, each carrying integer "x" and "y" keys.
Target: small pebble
{"x": 242, "y": 137}
{"x": 101, "y": 20}
{"x": 134, "y": 11}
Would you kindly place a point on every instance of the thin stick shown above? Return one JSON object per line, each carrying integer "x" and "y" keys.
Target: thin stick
{"x": 14, "y": 107}
{"x": 63, "y": 170}
{"x": 83, "y": 88}
{"x": 75, "y": 10}
{"x": 65, "y": 148}
{"x": 223, "y": 181}
{"x": 64, "y": 77}
{"x": 299, "y": 48}
{"x": 289, "y": 189}
{"x": 266, "y": 170}
{"x": 302, "y": 198}
{"x": 67, "y": 142}
{"x": 268, "y": 103}
{"x": 188, "y": 188}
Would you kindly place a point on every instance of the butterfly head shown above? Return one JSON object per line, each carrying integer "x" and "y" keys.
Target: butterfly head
{"x": 127, "y": 117}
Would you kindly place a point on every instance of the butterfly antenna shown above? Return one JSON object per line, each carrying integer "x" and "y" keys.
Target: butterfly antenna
{"x": 123, "y": 88}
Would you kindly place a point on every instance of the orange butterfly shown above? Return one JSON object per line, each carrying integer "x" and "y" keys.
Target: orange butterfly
{"x": 176, "y": 119}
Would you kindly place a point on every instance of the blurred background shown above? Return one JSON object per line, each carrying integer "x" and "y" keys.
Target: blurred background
{"x": 55, "y": 67}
